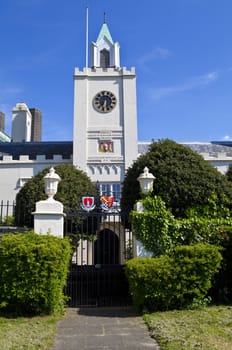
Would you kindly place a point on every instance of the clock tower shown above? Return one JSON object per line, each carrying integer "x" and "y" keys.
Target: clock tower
{"x": 105, "y": 115}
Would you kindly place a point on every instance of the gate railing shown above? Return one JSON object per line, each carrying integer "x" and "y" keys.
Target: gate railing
{"x": 101, "y": 245}
{"x": 7, "y": 213}
{"x": 97, "y": 236}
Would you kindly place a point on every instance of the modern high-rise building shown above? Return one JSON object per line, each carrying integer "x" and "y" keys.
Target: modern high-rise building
{"x": 36, "y": 125}
{"x": 26, "y": 123}
{"x": 21, "y": 123}
{"x": 3, "y": 136}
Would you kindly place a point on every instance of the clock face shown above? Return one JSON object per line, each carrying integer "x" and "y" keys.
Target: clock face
{"x": 104, "y": 101}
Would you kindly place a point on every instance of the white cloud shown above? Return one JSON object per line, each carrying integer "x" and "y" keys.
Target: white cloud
{"x": 227, "y": 138}
{"x": 157, "y": 53}
{"x": 194, "y": 83}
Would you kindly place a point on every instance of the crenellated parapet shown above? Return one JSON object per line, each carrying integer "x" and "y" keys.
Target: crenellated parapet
{"x": 112, "y": 71}
{"x": 56, "y": 158}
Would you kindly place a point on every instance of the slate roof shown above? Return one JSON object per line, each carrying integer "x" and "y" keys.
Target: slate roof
{"x": 32, "y": 149}
{"x": 211, "y": 148}
{"x": 214, "y": 147}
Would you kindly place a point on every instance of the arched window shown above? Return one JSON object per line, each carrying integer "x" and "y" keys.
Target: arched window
{"x": 104, "y": 58}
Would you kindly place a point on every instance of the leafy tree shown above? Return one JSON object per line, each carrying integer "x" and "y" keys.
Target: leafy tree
{"x": 73, "y": 185}
{"x": 229, "y": 173}
{"x": 183, "y": 180}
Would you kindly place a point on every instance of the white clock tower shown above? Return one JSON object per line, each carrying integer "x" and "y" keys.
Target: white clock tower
{"x": 105, "y": 115}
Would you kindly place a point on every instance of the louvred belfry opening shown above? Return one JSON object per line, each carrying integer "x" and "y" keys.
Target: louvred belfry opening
{"x": 104, "y": 58}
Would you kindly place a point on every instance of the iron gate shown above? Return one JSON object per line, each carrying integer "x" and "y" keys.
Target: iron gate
{"x": 101, "y": 245}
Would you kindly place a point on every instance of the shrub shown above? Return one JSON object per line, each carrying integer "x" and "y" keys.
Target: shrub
{"x": 200, "y": 230}
{"x": 183, "y": 180}
{"x": 222, "y": 287}
{"x": 73, "y": 185}
{"x": 173, "y": 282}
{"x": 33, "y": 272}
{"x": 159, "y": 232}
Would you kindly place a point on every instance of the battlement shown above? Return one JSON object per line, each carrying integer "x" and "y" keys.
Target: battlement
{"x": 36, "y": 151}
{"x": 115, "y": 71}
{"x": 56, "y": 158}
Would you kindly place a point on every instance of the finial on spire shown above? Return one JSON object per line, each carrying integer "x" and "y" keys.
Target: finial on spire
{"x": 104, "y": 17}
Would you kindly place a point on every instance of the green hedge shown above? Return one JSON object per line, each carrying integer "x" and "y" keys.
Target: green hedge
{"x": 33, "y": 273}
{"x": 221, "y": 291}
{"x": 180, "y": 281}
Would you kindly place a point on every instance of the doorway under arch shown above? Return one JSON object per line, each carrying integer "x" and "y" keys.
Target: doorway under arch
{"x": 106, "y": 248}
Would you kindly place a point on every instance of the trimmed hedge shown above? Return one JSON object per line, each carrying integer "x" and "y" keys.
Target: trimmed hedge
{"x": 221, "y": 291}
{"x": 33, "y": 273}
{"x": 173, "y": 282}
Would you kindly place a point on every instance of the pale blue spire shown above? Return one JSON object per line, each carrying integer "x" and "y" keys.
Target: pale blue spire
{"x": 104, "y": 32}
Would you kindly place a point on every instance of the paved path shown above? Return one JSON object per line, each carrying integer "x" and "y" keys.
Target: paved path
{"x": 102, "y": 328}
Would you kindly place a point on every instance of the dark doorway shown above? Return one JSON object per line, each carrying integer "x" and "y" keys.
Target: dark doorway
{"x": 106, "y": 248}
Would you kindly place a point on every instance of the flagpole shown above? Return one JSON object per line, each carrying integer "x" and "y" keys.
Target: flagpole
{"x": 87, "y": 37}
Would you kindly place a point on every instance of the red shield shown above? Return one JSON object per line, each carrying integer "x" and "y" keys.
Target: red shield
{"x": 88, "y": 203}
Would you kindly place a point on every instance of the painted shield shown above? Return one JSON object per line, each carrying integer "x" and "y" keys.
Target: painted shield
{"x": 107, "y": 202}
{"x": 88, "y": 203}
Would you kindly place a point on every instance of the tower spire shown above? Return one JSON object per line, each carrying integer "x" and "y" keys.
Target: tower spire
{"x": 105, "y": 52}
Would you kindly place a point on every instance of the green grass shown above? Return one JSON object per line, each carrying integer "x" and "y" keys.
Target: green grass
{"x": 23, "y": 333}
{"x": 209, "y": 328}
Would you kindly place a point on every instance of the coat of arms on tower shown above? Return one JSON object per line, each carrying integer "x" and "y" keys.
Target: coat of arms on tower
{"x": 105, "y": 146}
{"x": 107, "y": 202}
{"x": 88, "y": 203}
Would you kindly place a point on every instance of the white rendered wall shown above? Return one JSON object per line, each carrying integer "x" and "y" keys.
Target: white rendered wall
{"x": 130, "y": 122}
{"x": 118, "y": 126}
{"x": 15, "y": 173}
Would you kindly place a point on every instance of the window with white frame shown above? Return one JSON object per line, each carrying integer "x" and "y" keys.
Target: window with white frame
{"x": 111, "y": 189}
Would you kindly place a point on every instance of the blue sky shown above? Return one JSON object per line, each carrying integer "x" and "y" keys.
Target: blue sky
{"x": 181, "y": 49}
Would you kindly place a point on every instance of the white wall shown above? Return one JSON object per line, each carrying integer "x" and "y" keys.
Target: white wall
{"x": 14, "y": 173}
{"x": 118, "y": 126}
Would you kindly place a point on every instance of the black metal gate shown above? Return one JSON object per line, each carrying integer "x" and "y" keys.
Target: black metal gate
{"x": 101, "y": 245}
